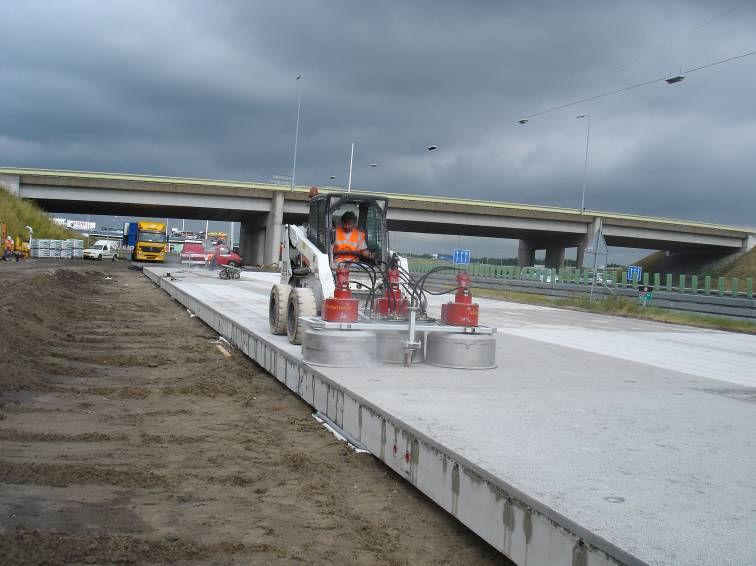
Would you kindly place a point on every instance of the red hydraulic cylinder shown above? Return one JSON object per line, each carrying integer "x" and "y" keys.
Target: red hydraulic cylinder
{"x": 342, "y": 307}
{"x": 462, "y": 311}
{"x": 392, "y": 303}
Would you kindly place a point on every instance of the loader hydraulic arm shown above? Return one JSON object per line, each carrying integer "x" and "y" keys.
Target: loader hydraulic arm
{"x": 318, "y": 262}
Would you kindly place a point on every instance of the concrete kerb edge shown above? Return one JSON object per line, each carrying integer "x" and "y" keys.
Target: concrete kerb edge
{"x": 584, "y": 541}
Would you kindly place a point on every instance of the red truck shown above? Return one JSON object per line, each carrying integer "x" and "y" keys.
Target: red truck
{"x": 194, "y": 252}
{"x": 224, "y": 256}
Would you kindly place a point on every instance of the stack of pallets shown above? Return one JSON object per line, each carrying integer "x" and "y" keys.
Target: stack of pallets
{"x": 63, "y": 249}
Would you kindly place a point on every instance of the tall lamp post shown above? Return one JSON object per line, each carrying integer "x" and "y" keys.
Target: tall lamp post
{"x": 585, "y": 167}
{"x": 351, "y": 161}
{"x": 296, "y": 135}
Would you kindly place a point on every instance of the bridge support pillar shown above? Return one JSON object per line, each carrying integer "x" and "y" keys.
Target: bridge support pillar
{"x": 260, "y": 236}
{"x": 273, "y": 228}
{"x": 593, "y": 229}
{"x": 554, "y": 253}
{"x": 749, "y": 242}
{"x": 554, "y": 257}
{"x": 252, "y": 241}
{"x": 526, "y": 254}
{"x": 11, "y": 182}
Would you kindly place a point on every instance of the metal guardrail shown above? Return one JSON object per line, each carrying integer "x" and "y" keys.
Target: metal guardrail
{"x": 706, "y": 285}
{"x": 714, "y": 305}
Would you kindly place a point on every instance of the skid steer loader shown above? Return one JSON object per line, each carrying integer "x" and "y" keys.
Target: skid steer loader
{"x": 350, "y": 313}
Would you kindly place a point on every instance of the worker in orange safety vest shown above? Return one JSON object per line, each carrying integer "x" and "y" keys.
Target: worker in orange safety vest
{"x": 349, "y": 243}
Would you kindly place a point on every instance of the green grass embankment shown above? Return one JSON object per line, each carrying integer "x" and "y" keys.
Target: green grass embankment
{"x": 742, "y": 267}
{"x": 17, "y": 213}
{"x": 624, "y": 307}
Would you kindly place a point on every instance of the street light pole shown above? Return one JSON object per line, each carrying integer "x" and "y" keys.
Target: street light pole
{"x": 585, "y": 167}
{"x": 351, "y": 160}
{"x": 296, "y": 135}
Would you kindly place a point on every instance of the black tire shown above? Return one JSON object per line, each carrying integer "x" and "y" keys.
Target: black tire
{"x": 115, "y": 257}
{"x": 279, "y": 299}
{"x": 99, "y": 257}
{"x": 233, "y": 264}
{"x": 301, "y": 303}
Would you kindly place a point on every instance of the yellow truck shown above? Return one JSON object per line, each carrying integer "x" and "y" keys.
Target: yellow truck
{"x": 149, "y": 241}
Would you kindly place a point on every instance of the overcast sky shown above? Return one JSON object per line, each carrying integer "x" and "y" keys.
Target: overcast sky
{"x": 208, "y": 89}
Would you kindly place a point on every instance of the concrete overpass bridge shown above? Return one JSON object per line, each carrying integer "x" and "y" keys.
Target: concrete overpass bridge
{"x": 261, "y": 208}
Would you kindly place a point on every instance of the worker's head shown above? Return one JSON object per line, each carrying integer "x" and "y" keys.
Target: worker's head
{"x": 348, "y": 220}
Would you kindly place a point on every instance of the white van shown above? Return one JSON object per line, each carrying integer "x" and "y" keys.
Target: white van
{"x": 102, "y": 249}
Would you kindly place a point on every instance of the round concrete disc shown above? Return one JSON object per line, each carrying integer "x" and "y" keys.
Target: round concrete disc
{"x": 339, "y": 348}
{"x": 390, "y": 348}
{"x": 461, "y": 351}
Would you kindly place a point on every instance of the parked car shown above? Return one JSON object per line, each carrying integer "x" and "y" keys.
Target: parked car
{"x": 102, "y": 249}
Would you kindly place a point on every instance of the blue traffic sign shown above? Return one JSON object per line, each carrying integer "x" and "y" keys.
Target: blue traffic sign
{"x": 634, "y": 273}
{"x": 461, "y": 257}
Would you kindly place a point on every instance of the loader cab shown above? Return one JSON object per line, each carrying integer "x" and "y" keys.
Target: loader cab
{"x": 326, "y": 211}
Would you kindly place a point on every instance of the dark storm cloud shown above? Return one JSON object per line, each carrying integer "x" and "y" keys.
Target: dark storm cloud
{"x": 207, "y": 89}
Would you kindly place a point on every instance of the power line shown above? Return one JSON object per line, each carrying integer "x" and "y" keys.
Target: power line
{"x": 491, "y": 122}
{"x": 642, "y": 55}
{"x": 637, "y": 85}
{"x": 577, "y": 86}
{"x": 741, "y": 56}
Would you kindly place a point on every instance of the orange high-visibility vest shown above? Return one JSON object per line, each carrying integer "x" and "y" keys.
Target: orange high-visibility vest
{"x": 353, "y": 241}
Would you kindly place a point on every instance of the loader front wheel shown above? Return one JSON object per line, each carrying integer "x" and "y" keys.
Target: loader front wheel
{"x": 301, "y": 303}
{"x": 279, "y": 299}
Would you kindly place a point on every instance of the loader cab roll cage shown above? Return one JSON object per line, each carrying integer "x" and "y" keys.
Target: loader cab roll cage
{"x": 326, "y": 211}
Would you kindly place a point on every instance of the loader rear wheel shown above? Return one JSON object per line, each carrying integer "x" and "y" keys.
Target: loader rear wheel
{"x": 301, "y": 303}
{"x": 279, "y": 299}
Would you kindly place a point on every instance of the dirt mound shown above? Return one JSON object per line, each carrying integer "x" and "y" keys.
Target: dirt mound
{"x": 26, "y": 436}
{"x": 63, "y": 475}
{"x": 35, "y": 311}
{"x": 35, "y": 546}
